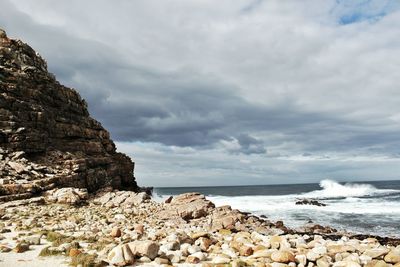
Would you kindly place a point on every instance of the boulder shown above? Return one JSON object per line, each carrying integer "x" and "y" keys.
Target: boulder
{"x": 245, "y": 251}
{"x": 116, "y": 232}
{"x": 377, "y": 263}
{"x": 307, "y": 201}
{"x": 121, "y": 256}
{"x": 123, "y": 199}
{"x": 376, "y": 252}
{"x": 69, "y": 195}
{"x": 225, "y": 218}
{"x": 144, "y": 248}
{"x": 393, "y": 256}
{"x": 282, "y": 256}
{"x": 125, "y": 254}
{"x": 21, "y": 247}
{"x": 346, "y": 264}
{"x": 187, "y": 206}
{"x": 18, "y": 167}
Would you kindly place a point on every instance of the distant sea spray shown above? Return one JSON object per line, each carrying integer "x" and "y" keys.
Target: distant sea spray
{"x": 369, "y": 208}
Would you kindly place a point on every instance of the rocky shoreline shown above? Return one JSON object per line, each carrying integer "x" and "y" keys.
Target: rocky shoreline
{"x": 124, "y": 228}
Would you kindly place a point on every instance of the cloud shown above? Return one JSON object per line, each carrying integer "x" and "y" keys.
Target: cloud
{"x": 274, "y": 81}
{"x": 249, "y": 145}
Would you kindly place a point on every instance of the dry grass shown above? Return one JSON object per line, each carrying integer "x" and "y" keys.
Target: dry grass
{"x": 46, "y": 252}
{"x": 84, "y": 260}
{"x": 57, "y": 239}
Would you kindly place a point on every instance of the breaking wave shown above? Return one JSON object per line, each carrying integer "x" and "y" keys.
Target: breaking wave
{"x": 333, "y": 189}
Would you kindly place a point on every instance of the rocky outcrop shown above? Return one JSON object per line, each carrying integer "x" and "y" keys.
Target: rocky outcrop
{"x": 125, "y": 199}
{"x": 47, "y": 138}
{"x": 307, "y": 201}
{"x": 67, "y": 195}
{"x": 187, "y": 206}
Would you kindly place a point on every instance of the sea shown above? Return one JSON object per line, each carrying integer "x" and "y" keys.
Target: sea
{"x": 360, "y": 207}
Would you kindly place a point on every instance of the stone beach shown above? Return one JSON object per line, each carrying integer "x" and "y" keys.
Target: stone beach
{"x": 123, "y": 228}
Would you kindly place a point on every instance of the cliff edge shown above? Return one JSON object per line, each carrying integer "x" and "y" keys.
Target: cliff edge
{"x": 47, "y": 137}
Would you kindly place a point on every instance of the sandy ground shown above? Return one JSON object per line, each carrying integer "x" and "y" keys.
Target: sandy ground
{"x": 29, "y": 258}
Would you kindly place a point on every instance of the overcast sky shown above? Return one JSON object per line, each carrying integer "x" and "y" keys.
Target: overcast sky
{"x": 208, "y": 92}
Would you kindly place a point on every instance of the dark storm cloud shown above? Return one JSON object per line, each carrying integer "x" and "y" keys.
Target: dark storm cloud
{"x": 250, "y": 145}
{"x": 262, "y": 78}
{"x": 137, "y": 104}
{"x": 180, "y": 108}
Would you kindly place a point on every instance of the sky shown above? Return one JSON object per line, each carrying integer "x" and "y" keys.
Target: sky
{"x": 236, "y": 92}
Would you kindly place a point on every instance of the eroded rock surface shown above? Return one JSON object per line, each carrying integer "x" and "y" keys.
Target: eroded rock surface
{"x": 187, "y": 206}
{"x": 68, "y": 195}
{"x": 47, "y": 138}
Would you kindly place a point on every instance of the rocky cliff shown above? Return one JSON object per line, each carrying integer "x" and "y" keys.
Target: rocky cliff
{"x": 47, "y": 138}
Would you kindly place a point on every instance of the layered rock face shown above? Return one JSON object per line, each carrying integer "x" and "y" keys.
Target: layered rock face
{"x": 47, "y": 138}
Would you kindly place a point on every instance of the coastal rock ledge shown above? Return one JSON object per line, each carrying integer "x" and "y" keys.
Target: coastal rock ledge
{"x": 47, "y": 138}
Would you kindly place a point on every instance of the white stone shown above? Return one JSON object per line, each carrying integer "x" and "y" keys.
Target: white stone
{"x": 200, "y": 255}
{"x": 193, "y": 249}
{"x": 229, "y": 252}
{"x": 220, "y": 260}
{"x": 376, "y": 252}
{"x": 346, "y": 264}
{"x": 144, "y": 248}
{"x": 174, "y": 256}
{"x": 301, "y": 259}
{"x": 364, "y": 259}
{"x": 116, "y": 256}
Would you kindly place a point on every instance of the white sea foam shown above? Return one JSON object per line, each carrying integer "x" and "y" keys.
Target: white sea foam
{"x": 332, "y": 189}
{"x": 354, "y": 207}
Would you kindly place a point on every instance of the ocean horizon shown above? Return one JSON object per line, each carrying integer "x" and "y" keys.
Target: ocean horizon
{"x": 367, "y": 207}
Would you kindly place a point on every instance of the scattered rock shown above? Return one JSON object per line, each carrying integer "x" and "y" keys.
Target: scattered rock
{"x": 307, "y": 201}
{"x": 33, "y": 240}
{"x": 245, "y": 251}
{"x": 188, "y": 206}
{"x": 139, "y": 228}
{"x": 168, "y": 200}
{"x": 21, "y": 247}
{"x": 121, "y": 256}
{"x": 116, "y": 232}
{"x": 73, "y": 252}
{"x": 69, "y": 195}
{"x": 144, "y": 248}
{"x": 393, "y": 256}
{"x": 18, "y": 167}
{"x": 376, "y": 252}
{"x": 282, "y": 256}
{"x": 4, "y": 248}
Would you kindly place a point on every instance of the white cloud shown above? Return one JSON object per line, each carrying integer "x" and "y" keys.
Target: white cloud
{"x": 184, "y": 80}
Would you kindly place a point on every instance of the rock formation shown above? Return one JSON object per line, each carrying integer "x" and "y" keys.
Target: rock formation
{"x": 306, "y": 201}
{"x": 47, "y": 138}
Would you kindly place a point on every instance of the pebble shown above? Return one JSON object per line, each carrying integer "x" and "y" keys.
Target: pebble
{"x": 263, "y": 253}
{"x": 376, "y": 252}
{"x": 220, "y": 259}
{"x": 116, "y": 232}
{"x": 74, "y": 252}
{"x": 393, "y": 257}
{"x": 21, "y": 247}
{"x": 282, "y": 256}
{"x": 301, "y": 259}
{"x": 139, "y": 228}
{"x": 245, "y": 251}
